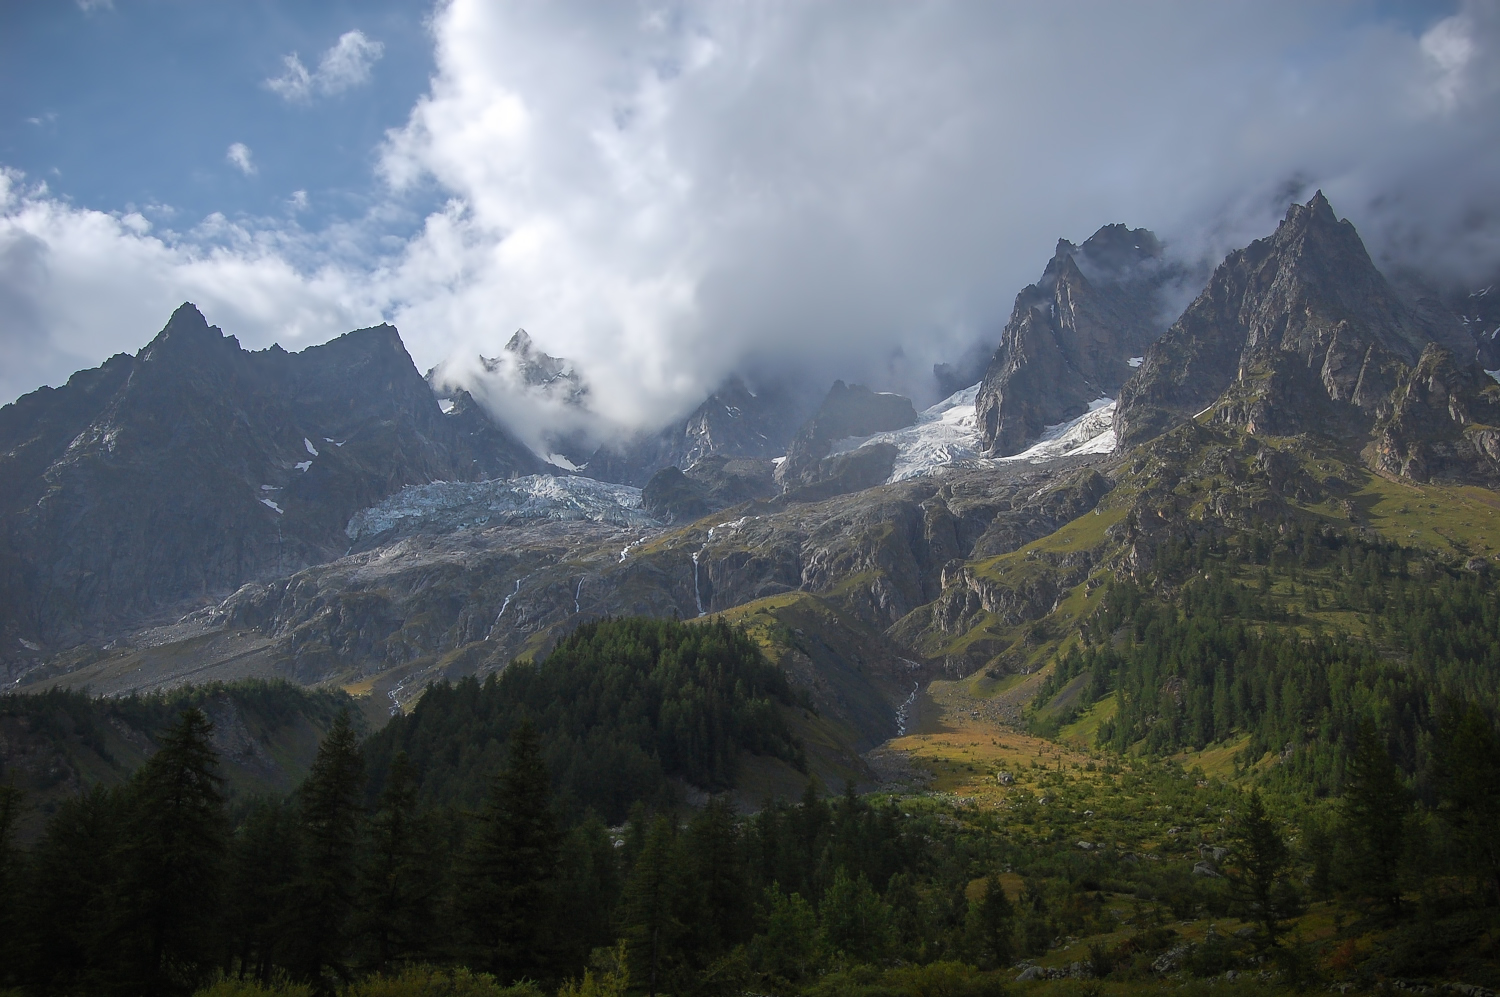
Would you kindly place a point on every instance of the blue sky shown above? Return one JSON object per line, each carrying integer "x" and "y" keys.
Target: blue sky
{"x": 671, "y": 192}
{"x": 137, "y": 103}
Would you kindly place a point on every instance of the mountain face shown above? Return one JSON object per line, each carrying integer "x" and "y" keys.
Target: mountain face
{"x": 1072, "y": 335}
{"x": 1298, "y": 332}
{"x": 194, "y": 466}
{"x": 733, "y": 422}
{"x": 847, "y": 411}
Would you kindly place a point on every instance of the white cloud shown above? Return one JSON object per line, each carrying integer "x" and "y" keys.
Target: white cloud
{"x": 851, "y": 190}
{"x": 344, "y": 66}
{"x": 239, "y": 157}
{"x": 298, "y": 200}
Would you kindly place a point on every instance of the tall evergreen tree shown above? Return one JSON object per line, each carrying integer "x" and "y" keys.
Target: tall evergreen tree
{"x": 512, "y": 867}
{"x": 1468, "y": 777}
{"x": 260, "y": 907}
{"x": 1373, "y": 819}
{"x": 1257, "y": 871}
{"x": 715, "y": 856}
{"x": 992, "y": 920}
{"x": 174, "y": 860}
{"x": 11, "y": 800}
{"x": 651, "y": 922}
{"x": 75, "y": 872}
{"x": 329, "y": 804}
{"x": 400, "y": 881}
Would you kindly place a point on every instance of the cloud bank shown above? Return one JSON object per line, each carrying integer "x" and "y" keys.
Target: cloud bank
{"x": 668, "y": 195}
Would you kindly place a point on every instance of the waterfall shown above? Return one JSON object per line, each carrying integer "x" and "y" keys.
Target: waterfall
{"x": 903, "y": 713}
{"x": 503, "y": 606}
{"x": 697, "y": 595}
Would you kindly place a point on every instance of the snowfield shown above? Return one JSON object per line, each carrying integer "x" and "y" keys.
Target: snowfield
{"x": 456, "y": 504}
{"x": 948, "y": 433}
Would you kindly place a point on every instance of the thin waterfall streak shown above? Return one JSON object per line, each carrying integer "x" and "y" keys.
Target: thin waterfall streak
{"x": 503, "y": 607}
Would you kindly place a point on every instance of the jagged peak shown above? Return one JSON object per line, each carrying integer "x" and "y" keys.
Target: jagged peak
{"x": 186, "y": 332}
{"x": 1316, "y": 210}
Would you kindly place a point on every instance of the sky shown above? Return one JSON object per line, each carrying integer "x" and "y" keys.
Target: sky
{"x": 668, "y": 194}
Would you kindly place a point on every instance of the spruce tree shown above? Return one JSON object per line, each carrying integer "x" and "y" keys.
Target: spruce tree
{"x": 716, "y": 857}
{"x": 1257, "y": 872}
{"x": 1468, "y": 777}
{"x": 512, "y": 867}
{"x": 399, "y": 881}
{"x": 325, "y": 891}
{"x": 260, "y": 903}
{"x": 11, "y": 800}
{"x": 1373, "y": 819}
{"x": 651, "y": 922}
{"x": 992, "y": 921}
{"x": 173, "y": 864}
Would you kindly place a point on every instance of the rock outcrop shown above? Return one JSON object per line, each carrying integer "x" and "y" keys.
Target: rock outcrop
{"x": 1297, "y": 332}
{"x": 733, "y": 422}
{"x": 179, "y": 473}
{"x": 1072, "y": 335}
{"x": 848, "y": 411}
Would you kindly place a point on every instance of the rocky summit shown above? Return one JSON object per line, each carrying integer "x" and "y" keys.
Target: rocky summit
{"x": 158, "y": 481}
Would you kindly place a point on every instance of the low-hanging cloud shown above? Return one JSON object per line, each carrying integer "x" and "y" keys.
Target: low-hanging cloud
{"x": 669, "y": 195}
{"x": 344, "y": 66}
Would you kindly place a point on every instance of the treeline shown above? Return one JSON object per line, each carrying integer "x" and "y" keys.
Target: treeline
{"x": 148, "y": 889}
{"x": 1232, "y": 653}
{"x": 622, "y": 707}
{"x": 61, "y": 735}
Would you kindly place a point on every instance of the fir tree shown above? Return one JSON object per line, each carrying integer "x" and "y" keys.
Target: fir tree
{"x": 174, "y": 860}
{"x": 325, "y": 891}
{"x": 992, "y": 924}
{"x": 399, "y": 881}
{"x": 651, "y": 924}
{"x": 1257, "y": 873}
{"x": 1373, "y": 821}
{"x": 512, "y": 867}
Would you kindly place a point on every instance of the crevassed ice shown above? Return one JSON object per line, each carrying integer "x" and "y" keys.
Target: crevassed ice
{"x": 948, "y": 432}
{"x": 453, "y": 504}
{"x": 1090, "y": 433}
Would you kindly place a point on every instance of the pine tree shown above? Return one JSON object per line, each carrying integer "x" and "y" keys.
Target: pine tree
{"x": 651, "y": 922}
{"x": 399, "y": 879}
{"x": 992, "y": 924}
{"x": 716, "y": 859}
{"x": 512, "y": 867}
{"x": 854, "y": 920}
{"x": 173, "y": 861}
{"x": 1373, "y": 821}
{"x": 11, "y": 800}
{"x": 325, "y": 890}
{"x": 1257, "y": 872}
{"x": 264, "y": 870}
{"x": 1468, "y": 777}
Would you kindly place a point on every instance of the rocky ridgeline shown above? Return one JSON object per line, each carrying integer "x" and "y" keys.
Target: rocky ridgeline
{"x": 181, "y": 472}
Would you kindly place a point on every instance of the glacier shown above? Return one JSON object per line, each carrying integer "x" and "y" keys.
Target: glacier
{"x": 948, "y": 433}
{"x": 457, "y": 504}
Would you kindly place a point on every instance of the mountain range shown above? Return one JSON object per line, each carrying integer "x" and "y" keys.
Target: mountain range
{"x": 197, "y": 511}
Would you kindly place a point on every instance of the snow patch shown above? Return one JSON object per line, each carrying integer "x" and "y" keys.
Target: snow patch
{"x": 302, "y": 465}
{"x": 948, "y": 433}
{"x": 1136, "y": 361}
{"x": 1494, "y": 373}
{"x": 310, "y": 448}
{"x": 562, "y": 462}
{"x": 1090, "y": 433}
{"x": 272, "y": 506}
{"x": 945, "y": 433}
{"x": 457, "y": 504}
{"x": 270, "y": 488}
{"x": 445, "y": 405}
